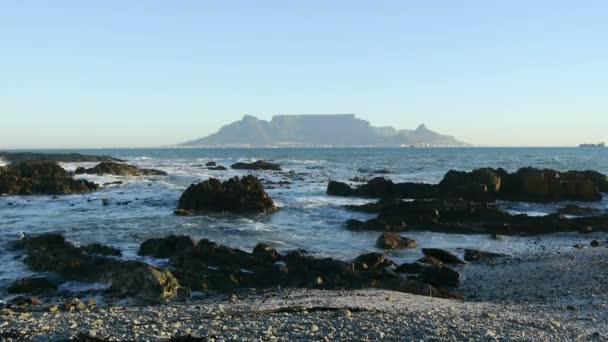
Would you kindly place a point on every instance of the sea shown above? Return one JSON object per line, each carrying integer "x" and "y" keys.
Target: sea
{"x": 142, "y": 207}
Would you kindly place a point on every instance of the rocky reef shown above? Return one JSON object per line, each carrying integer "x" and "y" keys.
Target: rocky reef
{"x": 52, "y": 253}
{"x": 117, "y": 169}
{"x": 256, "y": 166}
{"x": 40, "y": 178}
{"x": 16, "y": 157}
{"x": 487, "y": 184}
{"x": 463, "y": 216}
{"x": 236, "y": 195}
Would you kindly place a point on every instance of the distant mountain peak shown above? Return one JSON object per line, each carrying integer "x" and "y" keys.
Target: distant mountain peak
{"x": 422, "y": 127}
{"x": 339, "y": 130}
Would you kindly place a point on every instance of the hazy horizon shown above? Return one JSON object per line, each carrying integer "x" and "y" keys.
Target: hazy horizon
{"x": 103, "y": 74}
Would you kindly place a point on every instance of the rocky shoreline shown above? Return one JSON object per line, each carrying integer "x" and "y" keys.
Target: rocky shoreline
{"x": 184, "y": 289}
{"x": 536, "y": 305}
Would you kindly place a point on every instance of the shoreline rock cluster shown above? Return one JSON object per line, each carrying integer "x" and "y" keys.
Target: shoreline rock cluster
{"x": 118, "y": 169}
{"x": 462, "y": 216}
{"x": 487, "y": 184}
{"x": 35, "y": 178}
{"x": 208, "y": 267}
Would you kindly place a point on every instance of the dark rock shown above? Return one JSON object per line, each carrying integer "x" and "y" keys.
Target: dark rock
{"x": 257, "y": 165}
{"x": 586, "y": 230}
{"x": 462, "y": 216}
{"x": 17, "y": 157}
{"x": 443, "y": 255}
{"x": 38, "y": 284}
{"x": 429, "y": 260}
{"x": 375, "y": 207}
{"x": 265, "y": 252}
{"x": 211, "y": 164}
{"x": 394, "y": 241}
{"x": 167, "y": 246}
{"x": 579, "y": 246}
{"x": 25, "y": 301}
{"x": 575, "y": 210}
{"x": 184, "y": 292}
{"x": 100, "y": 249}
{"x": 51, "y": 252}
{"x": 476, "y": 255}
{"x": 595, "y": 243}
{"x": 486, "y": 184}
{"x": 372, "y": 261}
{"x": 217, "y": 168}
{"x": 238, "y": 195}
{"x": 339, "y": 189}
{"x": 37, "y": 178}
{"x": 440, "y": 276}
{"x": 111, "y": 168}
{"x": 410, "y": 268}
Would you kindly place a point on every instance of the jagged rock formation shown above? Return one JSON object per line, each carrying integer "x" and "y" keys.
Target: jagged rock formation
{"x": 40, "y": 178}
{"x": 111, "y": 168}
{"x": 318, "y": 130}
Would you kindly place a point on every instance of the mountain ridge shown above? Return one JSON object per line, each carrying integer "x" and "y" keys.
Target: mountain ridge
{"x": 319, "y": 130}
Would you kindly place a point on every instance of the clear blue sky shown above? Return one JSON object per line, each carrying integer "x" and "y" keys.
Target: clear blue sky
{"x": 148, "y": 73}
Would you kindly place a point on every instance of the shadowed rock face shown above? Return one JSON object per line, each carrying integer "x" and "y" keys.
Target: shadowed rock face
{"x": 527, "y": 184}
{"x": 51, "y": 252}
{"x": 111, "y": 168}
{"x": 237, "y": 195}
{"x": 38, "y": 178}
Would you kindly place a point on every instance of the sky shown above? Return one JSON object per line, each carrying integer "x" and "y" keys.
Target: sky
{"x": 123, "y": 73}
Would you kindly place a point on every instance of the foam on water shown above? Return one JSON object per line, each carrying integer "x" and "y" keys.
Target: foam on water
{"x": 308, "y": 218}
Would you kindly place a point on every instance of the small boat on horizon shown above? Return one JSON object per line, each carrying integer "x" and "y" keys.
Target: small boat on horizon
{"x": 602, "y": 144}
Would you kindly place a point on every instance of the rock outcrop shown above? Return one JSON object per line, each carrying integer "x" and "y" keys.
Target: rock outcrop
{"x": 52, "y": 253}
{"x": 461, "y": 216}
{"x": 237, "y": 195}
{"x": 394, "y": 241}
{"x": 256, "y": 166}
{"x": 40, "y": 178}
{"x": 117, "y": 169}
{"x": 212, "y": 267}
{"x": 17, "y": 157}
{"x": 527, "y": 184}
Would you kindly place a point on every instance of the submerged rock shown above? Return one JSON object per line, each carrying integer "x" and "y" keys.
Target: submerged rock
{"x": 257, "y": 165}
{"x": 38, "y": 178}
{"x": 116, "y": 169}
{"x": 237, "y": 195}
{"x": 376, "y": 225}
{"x": 394, "y": 241}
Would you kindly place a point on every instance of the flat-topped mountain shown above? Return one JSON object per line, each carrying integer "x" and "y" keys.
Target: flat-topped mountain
{"x": 318, "y": 130}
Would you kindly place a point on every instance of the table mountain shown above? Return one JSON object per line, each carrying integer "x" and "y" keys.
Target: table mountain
{"x": 338, "y": 130}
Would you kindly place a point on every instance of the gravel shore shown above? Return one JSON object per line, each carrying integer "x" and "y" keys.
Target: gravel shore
{"x": 546, "y": 296}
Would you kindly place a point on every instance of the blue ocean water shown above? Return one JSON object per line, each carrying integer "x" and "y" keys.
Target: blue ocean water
{"x": 308, "y": 218}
